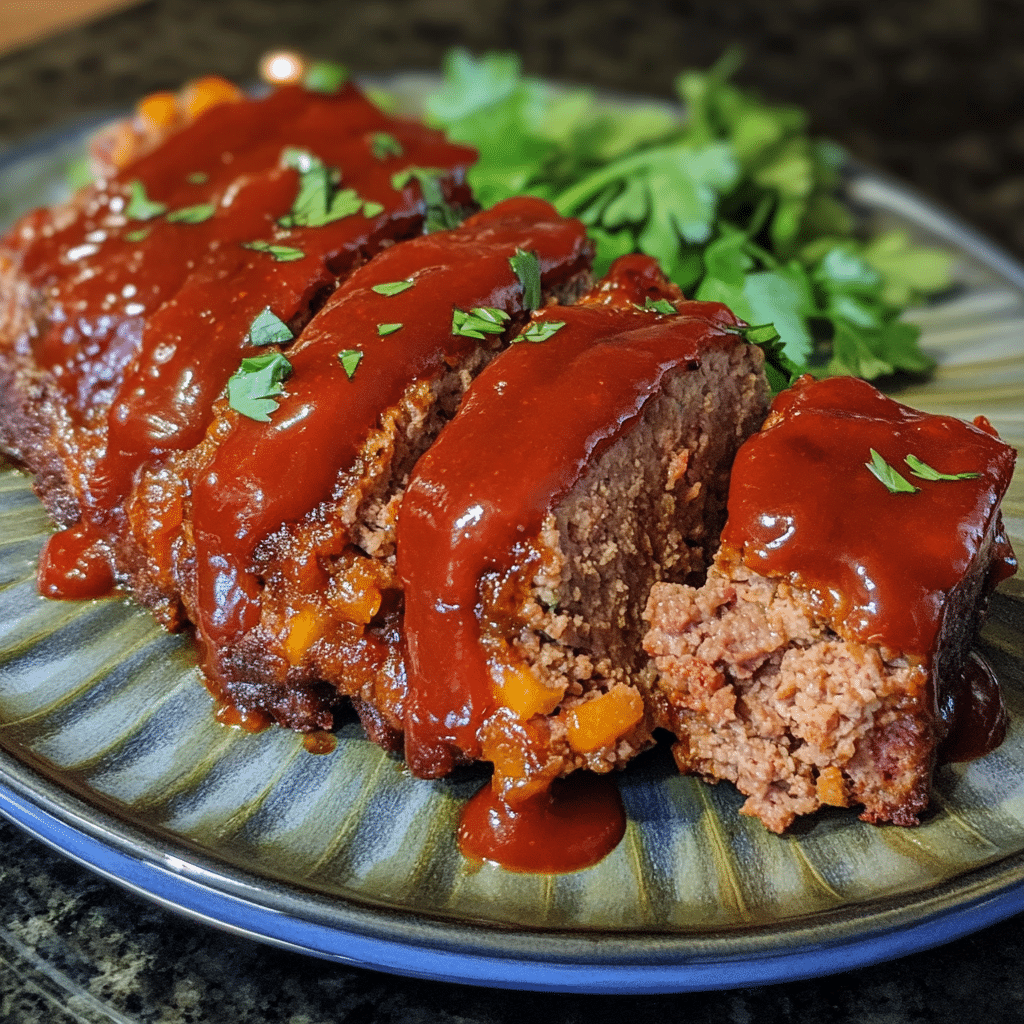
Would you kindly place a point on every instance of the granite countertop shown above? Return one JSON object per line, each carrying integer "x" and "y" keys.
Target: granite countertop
{"x": 927, "y": 91}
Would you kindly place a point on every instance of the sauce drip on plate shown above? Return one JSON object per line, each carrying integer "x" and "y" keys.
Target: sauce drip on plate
{"x": 572, "y": 826}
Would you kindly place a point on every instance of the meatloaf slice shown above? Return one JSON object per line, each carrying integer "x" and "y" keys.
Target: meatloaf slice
{"x": 811, "y": 666}
{"x": 586, "y": 462}
{"x": 279, "y": 533}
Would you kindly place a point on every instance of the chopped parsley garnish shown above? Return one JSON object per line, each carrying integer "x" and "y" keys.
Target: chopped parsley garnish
{"x": 925, "y": 472}
{"x": 140, "y": 206}
{"x": 281, "y": 253}
{"x": 527, "y": 268}
{"x": 268, "y": 329}
{"x": 191, "y": 214}
{"x": 256, "y": 383}
{"x": 881, "y": 469}
{"x": 383, "y": 145}
{"x": 780, "y": 370}
{"x": 197, "y": 178}
{"x": 479, "y": 321}
{"x": 540, "y": 331}
{"x": 392, "y": 287}
{"x": 137, "y": 235}
{"x": 349, "y": 359}
{"x": 325, "y": 76}
{"x": 318, "y": 201}
{"x": 658, "y": 306}
{"x": 439, "y": 215}
{"x": 371, "y": 209}
{"x": 383, "y": 330}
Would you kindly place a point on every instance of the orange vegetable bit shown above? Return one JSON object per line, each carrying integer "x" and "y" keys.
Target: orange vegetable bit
{"x": 158, "y": 113}
{"x": 204, "y": 93}
{"x": 597, "y": 723}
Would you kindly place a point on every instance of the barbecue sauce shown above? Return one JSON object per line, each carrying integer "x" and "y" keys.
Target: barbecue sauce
{"x": 546, "y": 410}
{"x": 254, "y": 484}
{"x": 571, "y": 826}
{"x": 974, "y": 711}
{"x": 878, "y": 565}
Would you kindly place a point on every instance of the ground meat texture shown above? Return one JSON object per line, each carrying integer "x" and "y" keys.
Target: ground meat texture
{"x": 811, "y": 666}
{"x": 579, "y": 470}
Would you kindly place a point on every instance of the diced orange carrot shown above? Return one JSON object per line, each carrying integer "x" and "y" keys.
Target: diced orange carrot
{"x": 204, "y": 93}
{"x": 304, "y": 629}
{"x": 158, "y": 112}
{"x": 599, "y": 722}
{"x": 831, "y": 787}
{"x": 522, "y": 692}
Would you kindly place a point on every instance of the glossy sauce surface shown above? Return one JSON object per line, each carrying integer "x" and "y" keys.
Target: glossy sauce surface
{"x": 254, "y": 484}
{"x": 526, "y": 431}
{"x": 879, "y": 565}
{"x": 74, "y": 565}
{"x": 575, "y": 824}
{"x": 974, "y": 709}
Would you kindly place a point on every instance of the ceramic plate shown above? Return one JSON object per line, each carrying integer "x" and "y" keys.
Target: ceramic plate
{"x": 109, "y": 752}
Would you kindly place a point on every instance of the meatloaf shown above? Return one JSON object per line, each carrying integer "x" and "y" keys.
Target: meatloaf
{"x": 812, "y": 666}
{"x": 125, "y": 311}
{"x": 587, "y": 461}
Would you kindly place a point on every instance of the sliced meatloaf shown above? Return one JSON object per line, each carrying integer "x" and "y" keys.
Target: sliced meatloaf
{"x": 589, "y": 460}
{"x": 279, "y": 532}
{"x": 812, "y": 666}
{"x": 124, "y": 311}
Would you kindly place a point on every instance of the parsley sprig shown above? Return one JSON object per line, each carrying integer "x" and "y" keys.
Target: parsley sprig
{"x": 253, "y": 388}
{"x": 888, "y": 476}
{"x": 319, "y": 201}
{"x": 479, "y": 321}
{"x": 440, "y": 216}
{"x": 739, "y": 204}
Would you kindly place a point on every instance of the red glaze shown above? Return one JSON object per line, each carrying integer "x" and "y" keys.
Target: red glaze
{"x": 974, "y": 710}
{"x": 573, "y": 826}
{"x": 75, "y": 564}
{"x": 254, "y": 484}
{"x": 144, "y": 333}
{"x": 526, "y": 431}
{"x": 879, "y": 565}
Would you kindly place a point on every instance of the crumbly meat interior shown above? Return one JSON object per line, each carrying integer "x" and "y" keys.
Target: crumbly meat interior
{"x": 568, "y": 620}
{"x": 761, "y": 692}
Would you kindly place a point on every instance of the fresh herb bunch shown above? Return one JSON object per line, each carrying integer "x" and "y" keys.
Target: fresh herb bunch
{"x": 738, "y": 204}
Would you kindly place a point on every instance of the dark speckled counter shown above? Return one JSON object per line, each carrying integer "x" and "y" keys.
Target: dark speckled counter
{"x": 927, "y": 90}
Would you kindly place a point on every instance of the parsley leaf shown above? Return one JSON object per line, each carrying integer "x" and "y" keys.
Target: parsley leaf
{"x": 268, "y": 329}
{"x": 350, "y": 359}
{"x": 140, "y": 206}
{"x": 383, "y": 330}
{"x": 383, "y": 145}
{"x": 257, "y": 382}
{"x": 325, "y": 76}
{"x": 439, "y": 215}
{"x": 281, "y": 253}
{"x": 197, "y": 178}
{"x": 191, "y": 214}
{"x": 392, "y": 287}
{"x": 136, "y": 236}
{"x": 479, "y": 321}
{"x": 925, "y": 472}
{"x": 881, "y": 469}
{"x": 540, "y": 331}
{"x": 662, "y": 306}
{"x": 317, "y": 201}
{"x": 527, "y": 269}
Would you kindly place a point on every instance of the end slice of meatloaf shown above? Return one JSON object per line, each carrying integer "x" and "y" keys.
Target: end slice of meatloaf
{"x": 811, "y": 666}
{"x": 588, "y": 460}
{"x": 279, "y": 533}
{"x": 124, "y": 311}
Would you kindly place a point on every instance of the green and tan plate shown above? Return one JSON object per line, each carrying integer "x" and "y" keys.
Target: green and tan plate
{"x": 109, "y": 752}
